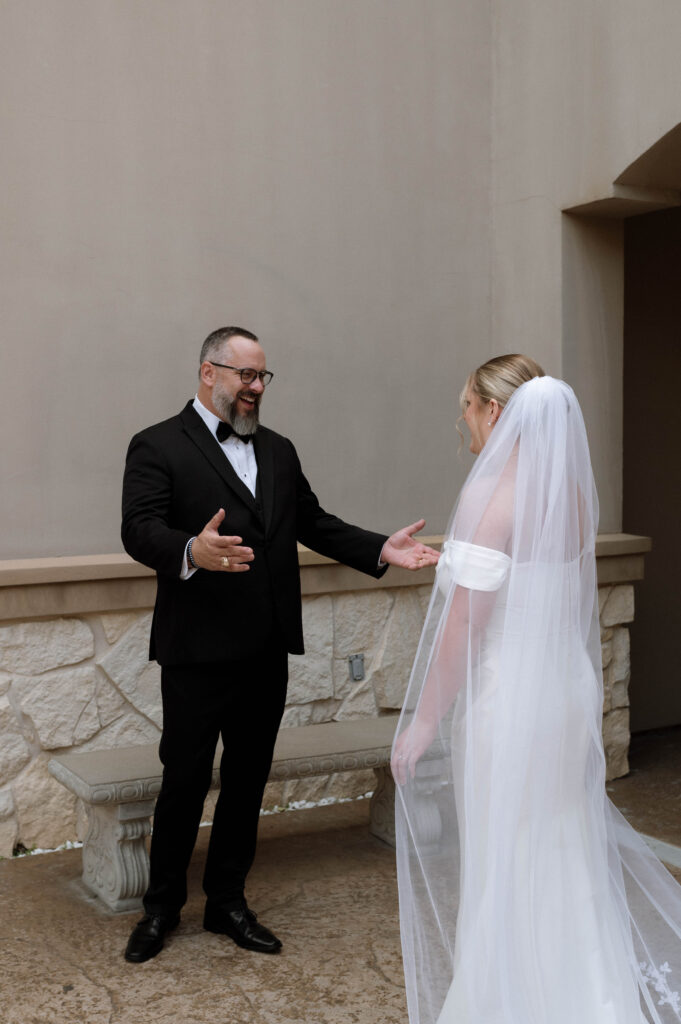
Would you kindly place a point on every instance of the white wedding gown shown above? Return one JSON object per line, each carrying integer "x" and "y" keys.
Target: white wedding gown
{"x": 567, "y": 939}
{"x": 525, "y": 897}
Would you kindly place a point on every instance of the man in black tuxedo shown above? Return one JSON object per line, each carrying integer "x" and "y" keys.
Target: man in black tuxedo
{"x": 215, "y": 503}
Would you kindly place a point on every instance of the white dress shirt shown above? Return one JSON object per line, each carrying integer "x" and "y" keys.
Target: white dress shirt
{"x": 241, "y": 457}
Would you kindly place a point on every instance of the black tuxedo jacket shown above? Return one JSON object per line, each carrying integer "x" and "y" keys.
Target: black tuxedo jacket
{"x": 176, "y": 479}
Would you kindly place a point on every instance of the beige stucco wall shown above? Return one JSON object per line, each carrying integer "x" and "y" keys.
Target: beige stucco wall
{"x": 376, "y": 188}
{"x": 580, "y": 91}
{"x": 314, "y": 170}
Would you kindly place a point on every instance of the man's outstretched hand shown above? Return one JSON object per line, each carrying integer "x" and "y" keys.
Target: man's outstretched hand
{"x": 404, "y": 551}
{"x": 220, "y": 554}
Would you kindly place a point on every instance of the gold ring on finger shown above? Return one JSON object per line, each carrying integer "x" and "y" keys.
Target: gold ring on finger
{"x": 225, "y": 563}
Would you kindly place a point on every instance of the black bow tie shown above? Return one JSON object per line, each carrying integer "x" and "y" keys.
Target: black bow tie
{"x": 226, "y": 430}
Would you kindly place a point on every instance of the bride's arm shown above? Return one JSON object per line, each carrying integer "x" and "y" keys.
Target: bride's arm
{"x": 458, "y": 639}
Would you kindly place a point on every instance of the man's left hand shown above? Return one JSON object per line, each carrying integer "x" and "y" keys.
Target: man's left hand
{"x": 402, "y": 550}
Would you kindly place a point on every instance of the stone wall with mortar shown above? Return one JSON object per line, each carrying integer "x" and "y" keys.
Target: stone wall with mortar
{"x": 83, "y": 683}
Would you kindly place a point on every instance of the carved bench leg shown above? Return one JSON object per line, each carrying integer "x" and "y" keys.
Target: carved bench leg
{"x": 115, "y": 858}
{"x": 383, "y": 806}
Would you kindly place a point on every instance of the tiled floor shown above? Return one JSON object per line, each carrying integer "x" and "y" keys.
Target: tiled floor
{"x": 321, "y": 882}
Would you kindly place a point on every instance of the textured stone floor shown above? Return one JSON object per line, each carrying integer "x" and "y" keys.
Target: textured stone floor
{"x": 650, "y": 796}
{"x": 328, "y": 892}
{"x": 321, "y": 882}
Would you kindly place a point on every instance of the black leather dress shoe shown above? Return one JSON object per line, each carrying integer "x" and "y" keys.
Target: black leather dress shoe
{"x": 241, "y": 924}
{"x": 146, "y": 939}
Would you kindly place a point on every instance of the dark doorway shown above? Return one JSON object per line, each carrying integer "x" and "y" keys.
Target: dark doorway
{"x": 652, "y": 458}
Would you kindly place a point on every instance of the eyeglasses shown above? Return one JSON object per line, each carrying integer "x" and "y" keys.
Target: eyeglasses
{"x": 247, "y": 374}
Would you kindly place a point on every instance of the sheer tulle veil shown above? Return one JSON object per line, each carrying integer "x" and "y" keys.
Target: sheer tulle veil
{"x": 525, "y": 898}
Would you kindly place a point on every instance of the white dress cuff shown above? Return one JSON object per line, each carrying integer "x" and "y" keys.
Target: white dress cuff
{"x": 187, "y": 569}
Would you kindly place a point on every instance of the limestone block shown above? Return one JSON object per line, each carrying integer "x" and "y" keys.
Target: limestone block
{"x": 338, "y": 786}
{"x": 359, "y": 620}
{"x": 33, "y": 647}
{"x": 62, "y": 705}
{"x": 310, "y": 714}
{"x": 616, "y": 677}
{"x": 620, "y": 694}
{"x": 382, "y": 823}
{"x": 606, "y": 648}
{"x": 307, "y": 790}
{"x": 621, "y": 661}
{"x": 110, "y": 704}
{"x": 8, "y": 837}
{"x": 360, "y": 703}
{"x": 618, "y": 605}
{"x": 130, "y": 730}
{"x": 14, "y": 750}
{"x": 616, "y": 742}
{"x": 274, "y": 795}
{"x": 350, "y": 785}
{"x": 342, "y": 681}
{"x": 6, "y": 803}
{"x": 115, "y": 624}
{"x": 310, "y": 676}
{"x": 127, "y": 665}
{"x": 390, "y": 674}
{"x": 607, "y": 690}
{"x": 5, "y": 682}
{"x": 424, "y": 594}
{"x": 45, "y": 810}
{"x": 209, "y": 803}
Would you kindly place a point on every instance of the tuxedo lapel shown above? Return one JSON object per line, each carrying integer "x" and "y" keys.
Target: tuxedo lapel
{"x": 265, "y": 459}
{"x": 209, "y": 447}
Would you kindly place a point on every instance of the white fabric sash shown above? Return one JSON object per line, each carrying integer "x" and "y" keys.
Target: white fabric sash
{"x": 471, "y": 566}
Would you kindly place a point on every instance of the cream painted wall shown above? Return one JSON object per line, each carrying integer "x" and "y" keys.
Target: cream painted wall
{"x": 376, "y": 188}
{"x": 580, "y": 90}
{"x": 592, "y": 324}
{"x": 313, "y": 170}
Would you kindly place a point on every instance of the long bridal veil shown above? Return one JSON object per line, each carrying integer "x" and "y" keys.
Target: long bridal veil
{"x": 525, "y": 898}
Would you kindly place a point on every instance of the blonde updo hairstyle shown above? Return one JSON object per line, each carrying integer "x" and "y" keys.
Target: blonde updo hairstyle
{"x": 498, "y": 378}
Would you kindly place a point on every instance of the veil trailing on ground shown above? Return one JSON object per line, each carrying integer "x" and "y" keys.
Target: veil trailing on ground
{"x": 525, "y": 898}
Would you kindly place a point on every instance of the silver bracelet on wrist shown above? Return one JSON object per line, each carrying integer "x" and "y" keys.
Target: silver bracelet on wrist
{"x": 189, "y": 554}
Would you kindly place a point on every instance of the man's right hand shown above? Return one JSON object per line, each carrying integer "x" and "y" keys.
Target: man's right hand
{"x": 220, "y": 554}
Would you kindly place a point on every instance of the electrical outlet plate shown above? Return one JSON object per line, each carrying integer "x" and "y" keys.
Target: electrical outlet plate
{"x": 356, "y": 663}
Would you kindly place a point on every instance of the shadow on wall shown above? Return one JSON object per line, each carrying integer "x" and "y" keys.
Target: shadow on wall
{"x": 621, "y": 316}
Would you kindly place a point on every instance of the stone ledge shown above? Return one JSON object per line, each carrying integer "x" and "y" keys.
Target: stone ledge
{"x": 608, "y": 545}
{"x": 32, "y": 588}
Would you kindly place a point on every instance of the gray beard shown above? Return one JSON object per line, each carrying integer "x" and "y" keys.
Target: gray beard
{"x": 226, "y": 408}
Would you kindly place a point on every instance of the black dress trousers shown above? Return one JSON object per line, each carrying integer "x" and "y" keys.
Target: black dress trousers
{"x": 243, "y": 701}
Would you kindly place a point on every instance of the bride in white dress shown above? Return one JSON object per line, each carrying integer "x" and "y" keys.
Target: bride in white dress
{"x": 525, "y": 897}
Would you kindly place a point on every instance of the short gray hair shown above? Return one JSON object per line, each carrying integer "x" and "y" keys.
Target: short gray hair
{"x": 216, "y": 339}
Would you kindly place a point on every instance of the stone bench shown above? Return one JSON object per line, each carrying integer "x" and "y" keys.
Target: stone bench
{"x": 118, "y": 788}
